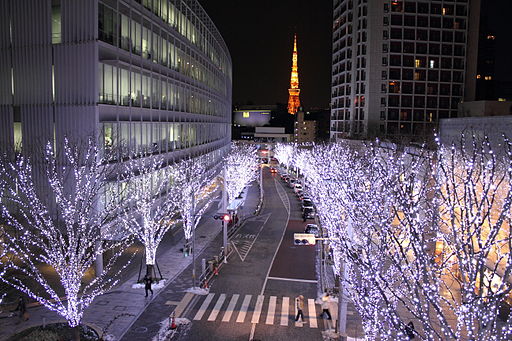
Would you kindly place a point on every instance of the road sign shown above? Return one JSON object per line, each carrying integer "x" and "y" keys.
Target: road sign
{"x": 304, "y": 239}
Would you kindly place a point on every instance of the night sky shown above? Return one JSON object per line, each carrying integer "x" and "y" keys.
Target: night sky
{"x": 259, "y": 35}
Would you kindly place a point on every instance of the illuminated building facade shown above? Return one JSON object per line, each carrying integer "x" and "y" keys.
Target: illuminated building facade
{"x": 400, "y": 66}
{"x": 294, "y": 91}
{"x": 140, "y": 75}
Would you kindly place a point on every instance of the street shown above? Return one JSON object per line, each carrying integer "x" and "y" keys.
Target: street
{"x": 253, "y": 296}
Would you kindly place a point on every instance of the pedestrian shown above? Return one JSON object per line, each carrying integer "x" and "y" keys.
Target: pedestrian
{"x": 147, "y": 284}
{"x": 21, "y": 308}
{"x": 303, "y": 216}
{"x": 409, "y": 330}
{"x": 299, "y": 303}
{"x": 326, "y": 299}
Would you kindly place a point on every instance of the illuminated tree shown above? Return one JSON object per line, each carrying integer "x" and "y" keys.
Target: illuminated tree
{"x": 423, "y": 235}
{"x": 241, "y": 164}
{"x": 190, "y": 179}
{"x": 284, "y": 153}
{"x": 151, "y": 208}
{"x": 56, "y": 226}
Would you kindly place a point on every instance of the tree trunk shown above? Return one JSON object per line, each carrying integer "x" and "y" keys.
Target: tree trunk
{"x": 76, "y": 333}
{"x": 150, "y": 270}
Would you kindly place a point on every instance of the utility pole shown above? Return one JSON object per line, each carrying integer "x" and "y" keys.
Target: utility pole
{"x": 193, "y": 215}
{"x": 225, "y": 210}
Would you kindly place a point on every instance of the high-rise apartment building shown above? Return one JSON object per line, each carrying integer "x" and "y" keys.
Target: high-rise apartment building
{"x": 141, "y": 75}
{"x": 400, "y": 66}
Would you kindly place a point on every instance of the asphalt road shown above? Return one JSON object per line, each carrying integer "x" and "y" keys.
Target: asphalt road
{"x": 252, "y": 298}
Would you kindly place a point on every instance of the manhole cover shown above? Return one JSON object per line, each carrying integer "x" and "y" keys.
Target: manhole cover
{"x": 141, "y": 330}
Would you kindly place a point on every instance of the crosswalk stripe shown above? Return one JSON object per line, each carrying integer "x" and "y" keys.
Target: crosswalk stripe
{"x": 231, "y": 308}
{"x": 312, "y": 313}
{"x": 271, "y": 310}
{"x": 203, "y": 307}
{"x": 257, "y": 309}
{"x": 285, "y": 308}
{"x": 243, "y": 309}
{"x": 216, "y": 308}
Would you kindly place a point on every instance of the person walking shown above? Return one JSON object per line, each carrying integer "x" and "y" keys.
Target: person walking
{"x": 299, "y": 303}
{"x": 326, "y": 299}
{"x": 147, "y": 284}
{"x": 21, "y": 308}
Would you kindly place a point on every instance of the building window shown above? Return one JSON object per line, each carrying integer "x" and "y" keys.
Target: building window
{"x": 56, "y": 22}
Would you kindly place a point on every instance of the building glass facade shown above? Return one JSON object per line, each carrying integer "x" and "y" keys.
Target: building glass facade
{"x": 398, "y": 66}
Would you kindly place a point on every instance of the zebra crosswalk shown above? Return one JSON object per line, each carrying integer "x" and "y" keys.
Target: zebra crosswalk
{"x": 270, "y": 310}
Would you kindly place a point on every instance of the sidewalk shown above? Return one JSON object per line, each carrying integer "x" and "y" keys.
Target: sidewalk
{"x": 127, "y": 303}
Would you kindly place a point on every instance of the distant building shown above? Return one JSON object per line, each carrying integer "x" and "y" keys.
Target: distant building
{"x": 305, "y": 130}
{"x": 251, "y": 118}
{"x": 486, "y": 74}
{"x": 400, "y": 66}
{"x": 271, "y": 135}
{"x": 294, "y": 91}
{"x": 484, "y": 108}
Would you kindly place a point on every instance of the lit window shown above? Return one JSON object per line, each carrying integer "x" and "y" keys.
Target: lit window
{"x": 431, "y": 63}
{"x": 488, "y": 78}
{"x": 417, "y": 63}
{"x": 478, "y": 76}
{"x": 491, "y": 37}
{"x": 430, "y": 116}
{"x": 444, "y": 11}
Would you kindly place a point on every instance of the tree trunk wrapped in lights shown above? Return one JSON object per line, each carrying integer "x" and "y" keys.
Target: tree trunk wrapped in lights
{"x": 150, "y": 207}
{"x": 55, "y": 228}
{"x": 241, "y": 164}
{"x": 424, "y": 236}
{"x": 189, "y": 181}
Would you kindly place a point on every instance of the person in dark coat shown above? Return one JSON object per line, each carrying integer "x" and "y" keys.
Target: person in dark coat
{"x": 21, "y": 308}
{"x": 409, "y": 330}
{"x": 147, "y": 284}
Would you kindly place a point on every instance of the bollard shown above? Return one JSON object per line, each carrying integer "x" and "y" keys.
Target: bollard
{"x": 203, "y": 265}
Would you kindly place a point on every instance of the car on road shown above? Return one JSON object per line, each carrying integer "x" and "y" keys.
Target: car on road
{"x": 299, "y": 193}
{"x": 308, "y": 213}
{"x": 273, "y": 170}
{"x": 307, "y": 203}
{"x": 292, "y": 182}
{"x": 313, "y": 229}
{"x": 298, "y": 187}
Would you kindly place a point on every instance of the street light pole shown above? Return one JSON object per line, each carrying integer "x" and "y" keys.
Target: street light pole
{"x": 193, "y": 215}
{"x": 225, "y": 210}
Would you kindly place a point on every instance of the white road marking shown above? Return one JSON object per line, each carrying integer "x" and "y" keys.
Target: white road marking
{"x": 285, "y": 310}
{"x": 312, "y": 313}
{"x": 203, "y": 307}
{"x": 243, "y": 309}
{"x": 293, "y": 279}
{"x": 271, "y": 310}
{"x": 231, "y": 308}
{"x": 216, "y": 308}
{"x": 257, "y": 309}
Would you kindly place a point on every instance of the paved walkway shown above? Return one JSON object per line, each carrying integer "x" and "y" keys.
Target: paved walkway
{"x": 120, "y": 307}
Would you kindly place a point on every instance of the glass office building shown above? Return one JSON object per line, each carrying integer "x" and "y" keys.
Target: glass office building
{"x": 400, "y": 66}
{"x": 141, "y": 75}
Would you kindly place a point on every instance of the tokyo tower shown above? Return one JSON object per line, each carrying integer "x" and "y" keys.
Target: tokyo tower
{"x": 293, "y": 100}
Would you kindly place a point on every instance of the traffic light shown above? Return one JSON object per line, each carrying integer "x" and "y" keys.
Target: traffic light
{"x": 223, "y": 216}
{"x": 304, "y": 239}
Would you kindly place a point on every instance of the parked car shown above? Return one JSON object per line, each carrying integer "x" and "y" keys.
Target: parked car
{"x": 283, "y": 175}
{"x": 308, "y": 213}
{"x": 299, "y": 193}
{"x": 292, "y": 182}
{"x": 303, "y": 196}
{"x": 298, "y": 187}
{"x": 313, "y": 229}
{"x": 307, "y": 203}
